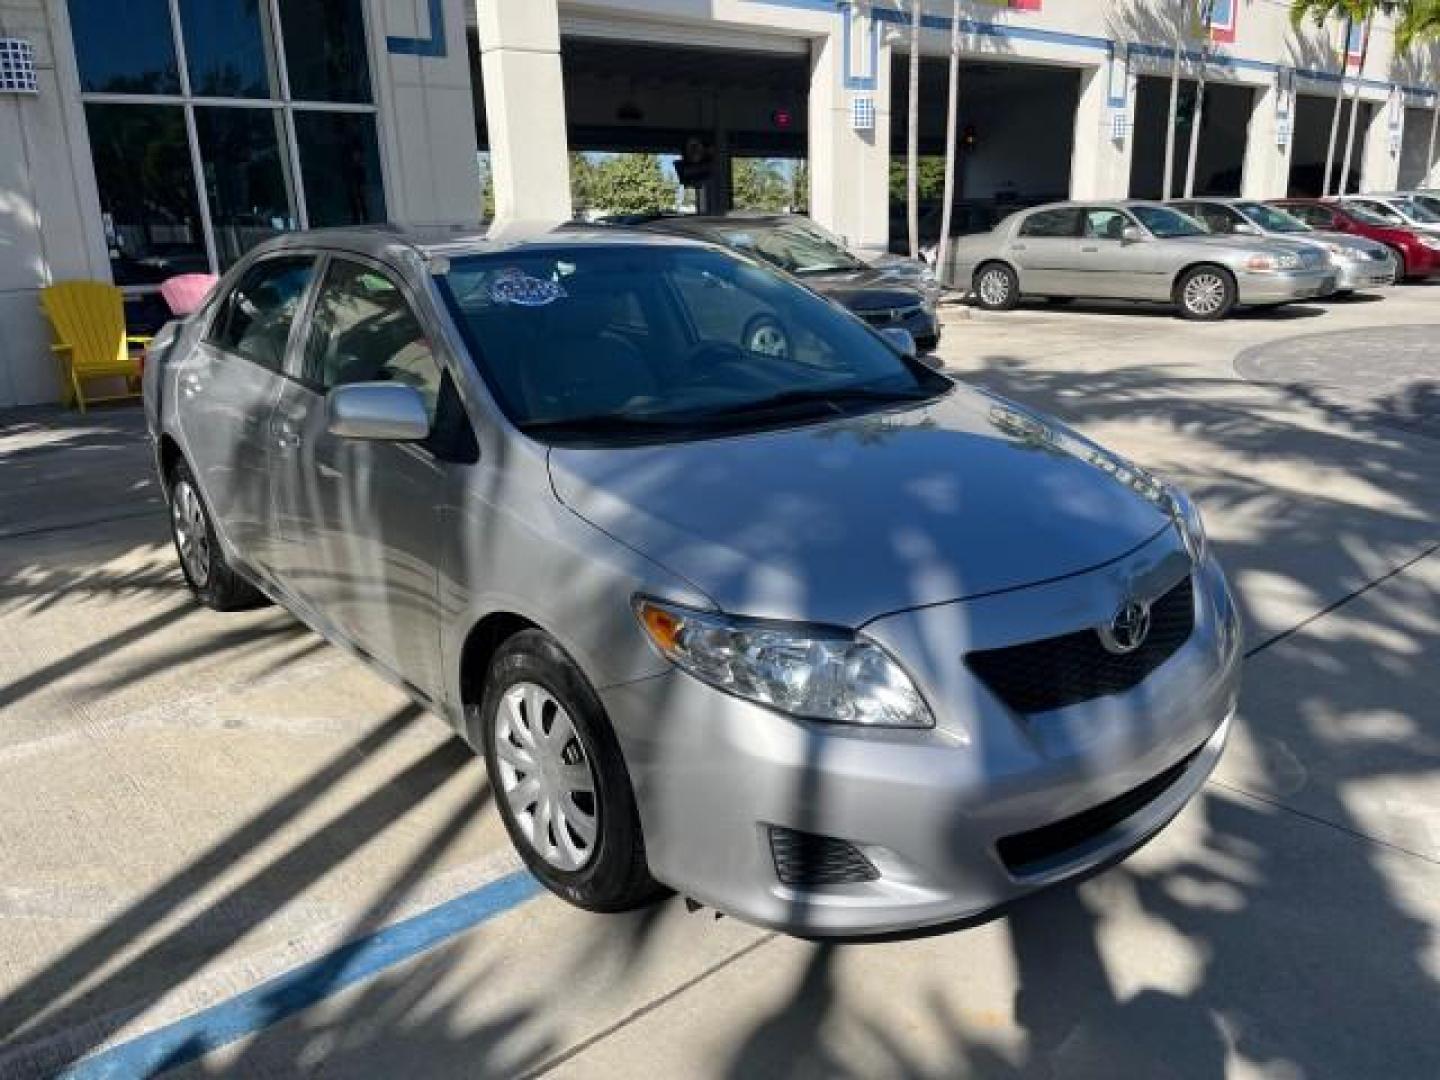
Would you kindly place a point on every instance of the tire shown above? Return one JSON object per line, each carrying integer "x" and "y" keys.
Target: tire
{"x": 535, "y": 694}
{"x": 996, "y": 287}
{"x": 211, "y": 578}
{"x": 1402, "y": 269}
{"x": 1205, "y": 293}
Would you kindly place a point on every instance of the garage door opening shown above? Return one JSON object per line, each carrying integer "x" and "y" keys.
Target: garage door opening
{"x": 736, "y": 118}
{"x": 1419, "y": 148}
{"x": 1313, "y": 118}
{"x": 1224, "y": 129}
{"x": 1016, "y": 135}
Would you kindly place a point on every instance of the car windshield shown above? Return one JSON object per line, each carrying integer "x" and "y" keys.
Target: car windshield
{"x": 791, "y": 245}
{"x": 1418, "y": 211}
{"x": 1366, "y": 216}
{"x": 1271, "y": 219}
{"x": 1167, "y": 224}
{"x": 646, "y": 342}
{"x": 1430, "y": 202}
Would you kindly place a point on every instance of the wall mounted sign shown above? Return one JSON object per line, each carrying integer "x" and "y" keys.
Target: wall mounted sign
{"x": 17, "y": 67}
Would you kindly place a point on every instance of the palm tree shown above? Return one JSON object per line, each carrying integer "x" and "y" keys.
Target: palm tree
{"x": 912, "y": 174}
{"x": 952, "y": 122}
{"x": 1354, "y": 13}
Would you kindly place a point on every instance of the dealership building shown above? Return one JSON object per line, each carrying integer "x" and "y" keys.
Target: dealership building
{"x": 145, "y": 138}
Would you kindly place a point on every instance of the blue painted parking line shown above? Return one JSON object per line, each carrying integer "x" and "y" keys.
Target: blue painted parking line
{"x": 283, "y": 996}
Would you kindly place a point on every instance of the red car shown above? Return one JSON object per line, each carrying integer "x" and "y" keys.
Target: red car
{"x": 1419, "y": 254}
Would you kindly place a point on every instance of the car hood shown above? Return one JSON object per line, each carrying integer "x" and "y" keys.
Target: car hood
{"x": 864, "y": 289}
{"x": 847, "y": 520}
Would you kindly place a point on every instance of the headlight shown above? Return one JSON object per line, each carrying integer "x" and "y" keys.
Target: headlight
{"x": 806, "y": 672}
{"x": 1343, "y": 253}
{"x": 1431, "y": 242}
{"x": 1190, "y": 524}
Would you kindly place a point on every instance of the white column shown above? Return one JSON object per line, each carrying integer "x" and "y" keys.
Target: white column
{"x": 525, "y": 109}
{"x": 1100, "y": 162}
{"x": 1379, "y": 155}
{"x": 849, "y": 168}
{"x": 1267, "y": 160}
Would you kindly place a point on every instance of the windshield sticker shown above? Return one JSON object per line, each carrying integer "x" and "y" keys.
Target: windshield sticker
{"x": 516, "y": 287}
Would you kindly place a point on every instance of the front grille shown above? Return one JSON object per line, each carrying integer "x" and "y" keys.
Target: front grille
{"x": 890, "y": 316}
{"x": 1037, "y": 849}
{"x": 1073, "y": 668}
{"x": 806, "y": 859}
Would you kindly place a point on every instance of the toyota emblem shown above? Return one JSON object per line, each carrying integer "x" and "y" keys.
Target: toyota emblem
{"x": 1128, "y": 629}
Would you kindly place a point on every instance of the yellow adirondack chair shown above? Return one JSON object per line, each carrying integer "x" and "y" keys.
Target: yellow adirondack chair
{"x": 89, "y": 322}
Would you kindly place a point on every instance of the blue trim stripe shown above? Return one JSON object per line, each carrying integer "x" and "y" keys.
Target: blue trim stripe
{"x": 297, "y": 990}
{"x": 433, "y": 46}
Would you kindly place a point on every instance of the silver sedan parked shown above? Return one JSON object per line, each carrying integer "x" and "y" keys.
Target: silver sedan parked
{"x": 1133, "y": 250}
{"x": 1358, "y": 263}
{"x": 826, "y": 640}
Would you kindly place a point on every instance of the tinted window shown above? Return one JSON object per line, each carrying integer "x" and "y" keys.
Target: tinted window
{"x": 1105, "y": 224}
{"x": 1218, "y": 219}
{"x": 1053, "y": 223}
{"x": 1268, "y": 217}
{"x": 340, "y": 163}
{"x": 364, "y": 330}
{"x": 623, "y": 341}
{"x": 1315, "y": 216}
{"x": 124, "y": 46}
{"x": 1166, "y": 223}
{"x": 1376, "y": 210}
{"x": 325, "y": 50}
{"x": 791, "y": 246}
{"x": 227, "y": 48}
{"x": 151, "y": 215}
{"x": 256, "y": 317}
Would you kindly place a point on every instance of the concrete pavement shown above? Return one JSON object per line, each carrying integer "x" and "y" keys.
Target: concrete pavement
{"x": 191, "y": 804}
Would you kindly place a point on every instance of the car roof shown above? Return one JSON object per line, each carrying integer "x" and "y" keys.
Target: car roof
{"x": 434, "y": 241}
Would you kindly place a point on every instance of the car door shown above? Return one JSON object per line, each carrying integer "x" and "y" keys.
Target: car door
{"x": 1043, "y": 249}
{"x": 357, "y": 521}
{"x": 227, "y": 388}
{"x": 1104, "y": 263}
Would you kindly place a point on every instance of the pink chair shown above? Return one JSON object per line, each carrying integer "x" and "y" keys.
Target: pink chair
{"x": 186, "y": 292}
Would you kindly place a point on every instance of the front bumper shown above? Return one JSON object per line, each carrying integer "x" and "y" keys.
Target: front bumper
{"x": 927, "y": 809}
{"x": 1366, "y": 274}
{"x": 1285, "y": 286}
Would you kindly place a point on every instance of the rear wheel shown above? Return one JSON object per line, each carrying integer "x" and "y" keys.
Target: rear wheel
{"x": 210, "y": 576}
{"x": 996, "y": 287}
{"x": 559, "y": 778}
{"x": 1205, "y": 293}
{"x": 1402, "y": 269}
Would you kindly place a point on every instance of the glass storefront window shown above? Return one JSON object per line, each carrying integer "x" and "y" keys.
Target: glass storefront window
{"x": 325, "y": 50}
{"x": 147, "y": 195}
{"x": 124, "y": 46}
{"x": 228, "y": 48}
{"x": 340, "y": 166}
{"x": 246, "y": 180}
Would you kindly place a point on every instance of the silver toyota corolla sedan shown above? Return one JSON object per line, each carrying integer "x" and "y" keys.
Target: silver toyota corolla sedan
{"x": 1132, "y": 250}
{"x": 828, "y": 641}
{"x": 1358, "y": 263}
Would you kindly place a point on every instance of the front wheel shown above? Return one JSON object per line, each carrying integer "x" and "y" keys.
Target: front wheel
{"x": 208, "y": 573}
{"x": 1205, "y": 294}
{"x": 559, "y": 778}
{"x": 996, "y": 287}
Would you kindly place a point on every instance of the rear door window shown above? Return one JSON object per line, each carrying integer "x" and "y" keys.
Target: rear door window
{"x": 1105, "y": 224}
{"x": 255, "y": 319}
{"x": 1063, "y": 224}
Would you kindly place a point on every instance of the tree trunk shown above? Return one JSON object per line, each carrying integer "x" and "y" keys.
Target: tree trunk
{"x": 952, "y": 123}
{"x": 1354, "y": 109}
{"x": 1169, "y": 185}
{"x": 912, "y": 177}
{"x": 1197, "y": 115}
{"x": 1325, "y": 188}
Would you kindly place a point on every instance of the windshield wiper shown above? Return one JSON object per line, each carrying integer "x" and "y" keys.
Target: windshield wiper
{"x": 834, "y": 397}
{"x": 601, "y": 424}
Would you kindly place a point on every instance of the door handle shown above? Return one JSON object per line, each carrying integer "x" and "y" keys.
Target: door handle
{"x": 1017, "y": 247}
{"x": 286, "y": 437}
{"x": 1090, "y": 250}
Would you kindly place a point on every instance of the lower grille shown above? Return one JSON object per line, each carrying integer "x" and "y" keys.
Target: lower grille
{"x": 890, "y": 316}
{"x": 1033, "y": 851}
{"x": 1074, "y": 668}
{"x": 807, "y": 859}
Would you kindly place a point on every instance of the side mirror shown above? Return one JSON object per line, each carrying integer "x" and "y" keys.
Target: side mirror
{"x": 1132, "y": 234}
{"x": 901, "y": 340}
{"x": 386, "y": 412}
